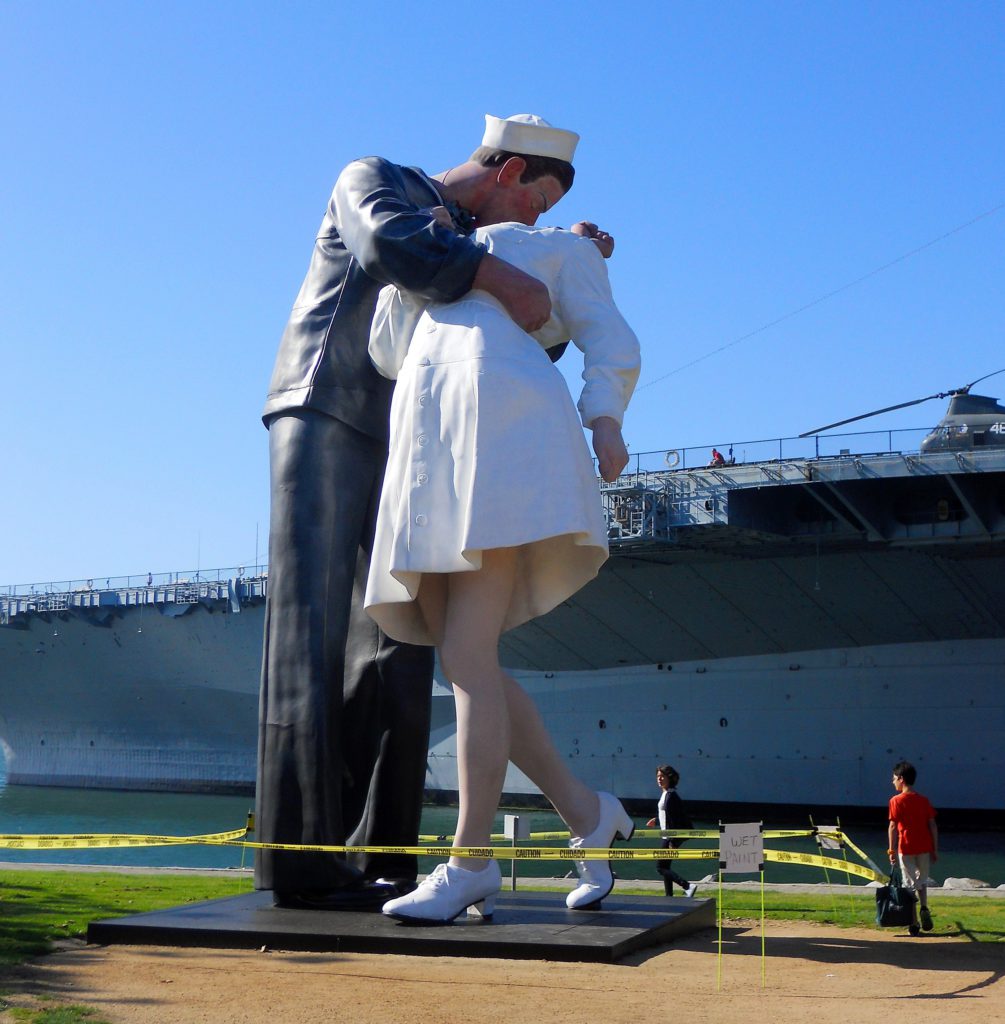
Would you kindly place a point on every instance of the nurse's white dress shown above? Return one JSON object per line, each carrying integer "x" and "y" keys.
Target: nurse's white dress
{"x": 487, "y": 449}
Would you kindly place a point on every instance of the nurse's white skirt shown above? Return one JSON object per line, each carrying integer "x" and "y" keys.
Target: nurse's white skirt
{"x": 487, "y": 451}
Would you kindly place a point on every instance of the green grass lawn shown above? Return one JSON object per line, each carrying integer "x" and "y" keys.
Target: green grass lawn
{"x": 978, "y": 918}
{"x": 54, "y": 1015}
{"x": 38, "y": 908}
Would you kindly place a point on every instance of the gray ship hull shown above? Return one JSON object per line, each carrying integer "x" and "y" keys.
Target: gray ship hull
{"x": 153, "y": 702}
{"x": 813, "y": 728}
{"x": 781, "y": 633}
{"x": 139, "y": 700}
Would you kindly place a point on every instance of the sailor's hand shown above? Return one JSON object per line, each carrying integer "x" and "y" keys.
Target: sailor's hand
{"x": 601, "y": 239}
{"x": 609, "y": 447}
{"x": 526, "y": 299}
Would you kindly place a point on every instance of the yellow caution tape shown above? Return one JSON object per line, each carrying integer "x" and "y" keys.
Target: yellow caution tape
{"x": 501, "y": 852}
{"x": 439, "y": 847}
{"x": 854, "y": 848}
{"x": 670, "y": 833}
{"x": 111, "y": 839}
{"x": 815, "y": 860}
{"x": 676, "y": 833}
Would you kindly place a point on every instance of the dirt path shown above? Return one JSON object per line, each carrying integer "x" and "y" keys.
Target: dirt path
{"x": 813, "y": 973}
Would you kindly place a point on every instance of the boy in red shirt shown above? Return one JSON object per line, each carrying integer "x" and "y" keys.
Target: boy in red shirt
{"x": 913, "y": 835}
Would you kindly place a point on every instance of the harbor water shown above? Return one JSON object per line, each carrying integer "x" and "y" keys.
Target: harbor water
{"x": 29, "y": 810}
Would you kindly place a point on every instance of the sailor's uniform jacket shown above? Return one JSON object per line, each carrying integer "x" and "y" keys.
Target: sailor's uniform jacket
{"x": 374, "y": 232}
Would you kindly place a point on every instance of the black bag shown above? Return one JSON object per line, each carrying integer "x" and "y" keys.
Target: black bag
{"x": 894, "y": 903}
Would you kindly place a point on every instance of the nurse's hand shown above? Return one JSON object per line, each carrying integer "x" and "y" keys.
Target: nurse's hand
{"x": 601, "y": 239}
{"x": 442, "y": 216}
{"x": 609, "y": 447}
{"x": 526, "y": 298}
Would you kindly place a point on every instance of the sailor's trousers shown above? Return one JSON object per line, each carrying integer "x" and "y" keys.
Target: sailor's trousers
{"x": 344, "y": 712}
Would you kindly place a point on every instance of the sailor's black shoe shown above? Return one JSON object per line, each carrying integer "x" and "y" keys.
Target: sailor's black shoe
{"x": 401, "y": 886}
{"x": 358, "y": 896}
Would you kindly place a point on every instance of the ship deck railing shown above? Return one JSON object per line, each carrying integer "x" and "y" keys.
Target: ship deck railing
{"x": 664, "y": 491}
{"x": 781, "y": 449}
{"x": 659, "y": 493}
{"x": 235, "y": 584}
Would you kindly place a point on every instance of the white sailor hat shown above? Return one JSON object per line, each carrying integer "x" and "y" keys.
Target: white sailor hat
{"x": 529, "y": 135}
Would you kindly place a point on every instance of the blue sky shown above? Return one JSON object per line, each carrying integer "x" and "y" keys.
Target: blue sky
{"x": 165, "y": 167}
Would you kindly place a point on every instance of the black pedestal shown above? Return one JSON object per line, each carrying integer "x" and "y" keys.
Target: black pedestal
{"x": 527, "y": 926}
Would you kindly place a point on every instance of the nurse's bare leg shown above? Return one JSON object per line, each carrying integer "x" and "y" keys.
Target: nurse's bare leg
{"x": 533, "y": 752}
{"x": 475, "y": 608}
{"x": 531, "y": 747}
{"x": 594, "y": 819}
{"x": 432, "y": 602}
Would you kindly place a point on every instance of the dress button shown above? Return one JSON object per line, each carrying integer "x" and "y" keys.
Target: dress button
{"x": 420, "y": 520}
{"x": 421, "y": 478}
{"x": 423, "y": 399}
{"x": 422, "y": 439}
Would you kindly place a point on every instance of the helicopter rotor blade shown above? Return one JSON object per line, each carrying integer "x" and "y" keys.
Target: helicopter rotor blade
{"x": 966, "y": 388}
{"x": 875, "y": 412}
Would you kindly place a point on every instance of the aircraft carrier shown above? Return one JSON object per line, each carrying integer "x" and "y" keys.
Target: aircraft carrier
{"x": 781, "y": 627}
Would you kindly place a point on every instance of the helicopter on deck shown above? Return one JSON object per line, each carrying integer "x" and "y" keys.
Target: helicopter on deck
{"x": 971, "y": 421}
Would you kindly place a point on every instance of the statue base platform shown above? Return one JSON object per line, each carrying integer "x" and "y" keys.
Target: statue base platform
{"x": 525, "y": 926}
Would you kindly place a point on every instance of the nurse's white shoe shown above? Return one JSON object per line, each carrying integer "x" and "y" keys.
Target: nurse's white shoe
{"x": 596, "y": 879}
{"x": 447, "y": 892}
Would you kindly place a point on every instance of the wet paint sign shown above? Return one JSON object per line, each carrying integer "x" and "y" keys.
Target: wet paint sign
{"x": 741, "y": 848}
